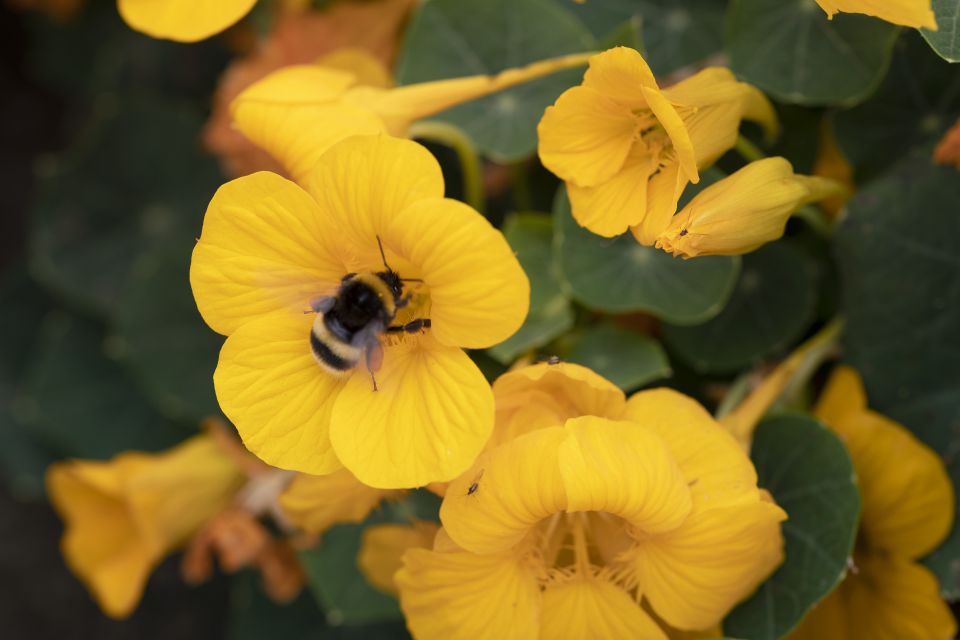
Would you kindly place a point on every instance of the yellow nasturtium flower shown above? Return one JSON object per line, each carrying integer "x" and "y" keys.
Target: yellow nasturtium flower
{"x": 316, "y": 503}
{"x": 123, "y": 516}
{"x": 627, "y": 149}
{"x": 593, "y": 511}
{"x": 907, "y": 508}
{"x": 743, "y": 211}
{"x": 909, "y": 13}
{"x": 299, "y": 112}
{"x": 269, "y": 248}
{"x": 183, "y": 20}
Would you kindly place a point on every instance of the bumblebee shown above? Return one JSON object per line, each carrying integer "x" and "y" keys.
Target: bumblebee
{"x": 349, "y": 324}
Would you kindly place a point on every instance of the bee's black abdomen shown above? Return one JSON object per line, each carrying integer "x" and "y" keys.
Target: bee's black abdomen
{"x": 327, "y": 357}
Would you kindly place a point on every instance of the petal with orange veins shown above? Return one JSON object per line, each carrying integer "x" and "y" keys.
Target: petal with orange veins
{"x": 594, "y": 609}
{"x": 692, "y": 576}
{"x": 624, "y": 469}
{"x": 584, "y": 138}
{"x": 272, "y": 389}
{"x": 713, "y": 464}
{"x": 382, "y": 547}
{"x": 457, "y": 594}
{"x": 663, "y": 194}
{"x": 673, "y": 124}
{"x": 365, "y": 181}
{"x": 492, "y": 507}
{"x": 265, "y": 246}
{"x": 621, "y": 74}
{"x": 316, "y": 503}
{"x": 430, "y": 416}
{"x": 893, "y": 598}
{"x": 479, "y": 293}
{"x": 610, "y": 208}
{"x": 183, "y": 20}
{"x": 908, "y": 13}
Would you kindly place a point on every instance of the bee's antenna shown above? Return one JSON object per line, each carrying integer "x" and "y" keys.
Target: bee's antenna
{"x": 382, "y": 254}
{"x": 411, "y": 279}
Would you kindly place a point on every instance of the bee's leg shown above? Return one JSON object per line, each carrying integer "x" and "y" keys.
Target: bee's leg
{"x": 374, "y": 379}
{"x": 411, "y": 327}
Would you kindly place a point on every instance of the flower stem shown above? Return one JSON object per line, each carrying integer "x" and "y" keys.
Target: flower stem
{"x": 747, "y": 150}
{"x": 470, "y": 165}
{"x": 789, "y": 375}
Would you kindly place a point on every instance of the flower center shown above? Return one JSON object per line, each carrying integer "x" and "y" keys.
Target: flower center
{"x": 591, "y": 543}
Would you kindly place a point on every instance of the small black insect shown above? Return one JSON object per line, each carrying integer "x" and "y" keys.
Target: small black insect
{"x": 475, "y": 485}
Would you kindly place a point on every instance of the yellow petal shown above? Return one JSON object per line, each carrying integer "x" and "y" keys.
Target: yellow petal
{"x": 428, "y": 420}
{"x": 364, "y": 181}
{"x": 594, "y": 609}
{"x": 271, "y": 387}
{"x": 742, "y": 211}
{"x": 183, "y": 20}
{"x": 316, "y": 503}
{"x": 621, "y": 74}
{"x": 123, "y": 516}
{"x": 827, "y": 619}
{"x": 624, "y": 469}
{"x": 673, "y": 124}
{"x": 717, "y": 470}
{"x": 585, "y": 137}
{"x": 545, "y": 395}
{"x": 663, "y": 194}
{"x": 909, "y": 13}
{"x": 382, "y": 547}
{"x": 692, "y": 576}
{"x": 461, "y": 595}
{"x": 492, "y": 507}
{"x": 843, "y": 395}
{"x": 479, "y": 293}
{"x": 265, "y": 246}
{"x": 366, "y": 69}
{"x": 892, "y": 598}
{"x": 610, "y": 207}
{"x": 296, "y": 115}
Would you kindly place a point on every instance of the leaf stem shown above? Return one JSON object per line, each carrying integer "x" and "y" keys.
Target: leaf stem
{"x": 747, "y": 150}
{"x": 470, "y": 164}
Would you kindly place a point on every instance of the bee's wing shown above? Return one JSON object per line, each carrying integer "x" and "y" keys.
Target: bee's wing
{"x": 368, "y": 339}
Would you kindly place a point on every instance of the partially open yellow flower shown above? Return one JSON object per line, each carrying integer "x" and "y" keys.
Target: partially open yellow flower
{"x": 123, "y": 516}
{"x": 743, "y": 211}
{"x": 269, "y": 249}
{"x": 299, "y": 112}
{"x": 907, "y": 508}
{"x": 909, "y": 13}
{"x": 383, "y": 545}
{"x": 565, "y": 528}
{"x": 626, "y": 149}
{"x": 183, "y": 20}
{"x": 316, "y": 503}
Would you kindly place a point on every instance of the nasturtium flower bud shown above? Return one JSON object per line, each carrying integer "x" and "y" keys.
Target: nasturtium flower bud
{"x": 592, "y": 511}
{"x": 183, "y": 20}
{"x": 269, "y": 249}
{"x": 907, "y": 509}
{"x": 627, "y": 148}
{"x": 909, "y": 13}
{"x": 743, "y": 211}
{"x": 124, "y": 516}
{"x": 299, "y": 112}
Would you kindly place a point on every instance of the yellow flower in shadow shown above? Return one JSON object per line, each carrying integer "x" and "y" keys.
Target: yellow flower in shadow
{"x": 269, "y": 249}
{"x": 909, "y": 13}
{"x": 123, "y": 516}
{"x": 183, "y": 20}
{"x": 627, "y": 148}
{"x": 383, "y": 545}
{"x": 316, "y": 503}
{"x": 299, "y": 112}
{"x": 907, "y": 509}
{"x": 577, "y": 519}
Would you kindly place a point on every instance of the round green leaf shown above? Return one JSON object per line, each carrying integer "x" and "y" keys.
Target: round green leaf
{"x": 451, "y": 38}
{"x": 135, "y": 180}
{"x": 807, "y": 469}
{"x": 793, "y": 52}
{"x": 675, "y": 33}
{"x": 919, "y": 99}
{"x": 772, "y": 304}
{"x": 531, "y": 237}
{"x": 619, "y": 275}
{"x": 946, "y": 39}
{"x": 164, "y": 340}
{"x": 900, "y": 270}
{"x": 626, "y": 358}
{"x": 82, "y": 403}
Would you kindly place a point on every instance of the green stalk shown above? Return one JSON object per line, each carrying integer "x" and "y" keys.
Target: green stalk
{"x": 470, "y": 164}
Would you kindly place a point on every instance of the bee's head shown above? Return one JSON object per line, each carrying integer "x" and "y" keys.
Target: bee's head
{"x": 393, "y": 281}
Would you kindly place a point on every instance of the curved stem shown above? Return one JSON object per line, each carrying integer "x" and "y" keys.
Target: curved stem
{"x": 747, "y": 150}
{"x": 470, "y": 165}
